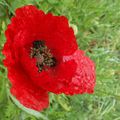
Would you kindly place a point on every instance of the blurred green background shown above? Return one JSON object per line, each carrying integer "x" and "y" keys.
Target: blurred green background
{"x": 98, "y": 24}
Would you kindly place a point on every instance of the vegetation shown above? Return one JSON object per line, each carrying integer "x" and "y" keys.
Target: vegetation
{"x": 98, "y": 25}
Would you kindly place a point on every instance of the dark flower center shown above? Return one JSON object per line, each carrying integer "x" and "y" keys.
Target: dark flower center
{"x": 43, "y": 56}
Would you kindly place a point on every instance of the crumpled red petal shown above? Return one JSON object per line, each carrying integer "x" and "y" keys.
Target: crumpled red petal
{"x": 81, "y": 80}
{"x": 40, "y": 26}
{"x": 30, "y": 98}
{"x": 25, "y": 91}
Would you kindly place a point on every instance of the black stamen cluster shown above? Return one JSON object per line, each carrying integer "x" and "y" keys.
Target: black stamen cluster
{"x": 42, "y": 54}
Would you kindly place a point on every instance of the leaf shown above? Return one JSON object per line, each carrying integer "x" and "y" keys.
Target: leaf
{"x": 53, "y": 1}
{"x": 19, "y": 3}
{"x": 11, "y": 111}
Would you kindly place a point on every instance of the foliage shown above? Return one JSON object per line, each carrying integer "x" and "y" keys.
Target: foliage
{"x": 98, "y": 34}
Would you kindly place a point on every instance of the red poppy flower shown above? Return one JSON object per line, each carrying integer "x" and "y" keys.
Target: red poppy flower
{"x": 42, "y": 56}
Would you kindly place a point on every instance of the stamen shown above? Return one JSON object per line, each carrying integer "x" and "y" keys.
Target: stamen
{"x": 43, "y": 56}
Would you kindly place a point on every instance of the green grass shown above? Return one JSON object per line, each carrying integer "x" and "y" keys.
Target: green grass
{"x": 98, "y": 23}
